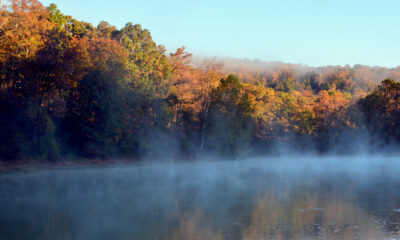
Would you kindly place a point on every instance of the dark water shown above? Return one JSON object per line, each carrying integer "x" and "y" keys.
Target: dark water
{"x": 291, "y": 198}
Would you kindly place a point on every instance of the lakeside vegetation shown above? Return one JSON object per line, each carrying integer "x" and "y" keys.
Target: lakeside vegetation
{"x": 72, "y": 90}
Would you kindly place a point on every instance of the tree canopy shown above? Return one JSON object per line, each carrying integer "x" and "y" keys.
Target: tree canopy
{"x": 73, "y": 90}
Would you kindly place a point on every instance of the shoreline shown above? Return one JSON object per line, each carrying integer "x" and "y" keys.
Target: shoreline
{"x": 8, "y": 167}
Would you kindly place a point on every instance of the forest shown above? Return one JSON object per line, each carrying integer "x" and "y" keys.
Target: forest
{"x": 72, "y": 90}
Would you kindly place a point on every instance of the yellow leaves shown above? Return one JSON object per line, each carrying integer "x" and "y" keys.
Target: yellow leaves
{"x": 331, "y": 111}
{"x": 301, "y": 112}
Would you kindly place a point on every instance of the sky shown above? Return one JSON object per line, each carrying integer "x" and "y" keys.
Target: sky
{"x": 312, "y": 32}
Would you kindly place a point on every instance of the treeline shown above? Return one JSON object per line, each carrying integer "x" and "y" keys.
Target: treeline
{"x": 358, "y": 79}
{"x": 73, "y": 90}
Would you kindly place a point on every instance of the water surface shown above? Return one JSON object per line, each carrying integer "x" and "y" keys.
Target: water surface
{"x": 265, "y": 198}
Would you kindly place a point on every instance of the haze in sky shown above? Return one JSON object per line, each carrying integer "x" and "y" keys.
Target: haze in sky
{"x": 296, "y": 31}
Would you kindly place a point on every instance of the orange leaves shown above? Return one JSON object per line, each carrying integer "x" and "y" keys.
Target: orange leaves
{"x": 23, "y": 28}
{"x": 331, "y": 111}
{"x": 27, "y": 6}
{"x": 329, "y": 102}
{"x": 180, "y": 61}
{"x": 98, "y": 53}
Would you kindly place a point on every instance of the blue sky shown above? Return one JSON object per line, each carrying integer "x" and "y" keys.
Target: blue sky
{"x": 313, "y": 32}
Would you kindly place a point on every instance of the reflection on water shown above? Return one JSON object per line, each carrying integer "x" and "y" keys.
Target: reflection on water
{"x": 253, "y": 199}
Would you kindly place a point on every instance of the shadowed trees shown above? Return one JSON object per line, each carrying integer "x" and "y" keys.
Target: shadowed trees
{"x": 381, "y": 109}
{"x": 230, "y": 130}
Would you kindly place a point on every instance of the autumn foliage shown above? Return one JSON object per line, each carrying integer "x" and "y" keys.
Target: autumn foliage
{"x": 71, "y": 90}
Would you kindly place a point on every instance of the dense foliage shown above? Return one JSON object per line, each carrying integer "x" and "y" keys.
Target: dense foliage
{"x": 73, "y": 90}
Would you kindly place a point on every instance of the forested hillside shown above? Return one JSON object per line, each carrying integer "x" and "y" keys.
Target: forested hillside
{"x": 71, "y": 90}
{"x": 358, "y": 79}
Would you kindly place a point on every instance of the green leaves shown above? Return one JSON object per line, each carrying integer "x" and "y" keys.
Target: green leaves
{"x": 149, "y": 68}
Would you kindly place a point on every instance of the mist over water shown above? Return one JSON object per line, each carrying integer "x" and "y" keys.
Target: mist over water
{"x": 263, "y": 198}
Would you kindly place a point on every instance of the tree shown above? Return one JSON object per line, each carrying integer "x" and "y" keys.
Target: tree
{"x": 183, "y": 84}
{"x": 148, "y": 76}
{"x": 230, "y": 129}
{"x": 56, "y": 16}
{"x": 332, "y": 117}
{"x": 381, "y": 109}
{"x": 106, "y": 30}
{"x": 207, "y": 81}
{"x": 94, "y": 116}
{"x": 23, "y": 28}
{"x": 94, "y": 122}
{"x": 148, "y": 66}
{"x": 341, "y": 79}
{"x": 286, "y": 81}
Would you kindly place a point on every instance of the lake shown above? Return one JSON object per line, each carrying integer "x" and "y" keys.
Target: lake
{"x": 261, "y": 198}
